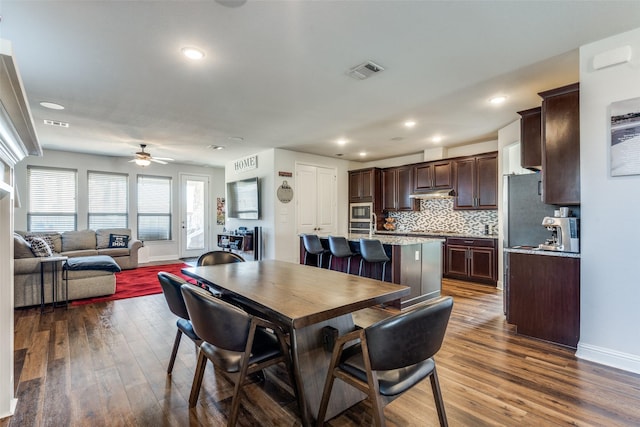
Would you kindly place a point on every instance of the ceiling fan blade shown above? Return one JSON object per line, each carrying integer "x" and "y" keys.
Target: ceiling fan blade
{"x": 162, "y": 162}
{"x": 166, "y": 159}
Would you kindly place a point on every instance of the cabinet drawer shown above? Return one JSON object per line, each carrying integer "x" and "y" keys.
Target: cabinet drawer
{"x": 487, "y": 243}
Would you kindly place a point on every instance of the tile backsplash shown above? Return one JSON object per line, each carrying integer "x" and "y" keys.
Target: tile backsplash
{"x": 438, "y": 214}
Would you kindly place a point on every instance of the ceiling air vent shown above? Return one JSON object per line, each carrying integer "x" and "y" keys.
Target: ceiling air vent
{"x": 365, "y": 70}
{"x": 56, "y": 123}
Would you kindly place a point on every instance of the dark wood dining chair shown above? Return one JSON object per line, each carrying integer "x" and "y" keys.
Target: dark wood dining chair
{"x": 236, "y": 342}
{"x": 171, "y": 284}
{"x": 391, "y": 356}
{"x": 218, "y": 257}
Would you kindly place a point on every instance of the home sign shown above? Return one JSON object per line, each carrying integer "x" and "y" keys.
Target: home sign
{"x": 246, "y": 164}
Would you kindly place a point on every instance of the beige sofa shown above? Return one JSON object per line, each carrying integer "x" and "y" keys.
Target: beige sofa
{"x": 82, "y": 284}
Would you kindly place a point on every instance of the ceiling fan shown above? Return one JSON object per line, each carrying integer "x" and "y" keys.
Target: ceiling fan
{"x": 144, "y": 158}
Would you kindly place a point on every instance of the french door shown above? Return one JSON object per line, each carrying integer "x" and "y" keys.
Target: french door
{"x": 194, "y": 215}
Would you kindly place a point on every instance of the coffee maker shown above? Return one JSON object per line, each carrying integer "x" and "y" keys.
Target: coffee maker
{"x": 564, "y": 234}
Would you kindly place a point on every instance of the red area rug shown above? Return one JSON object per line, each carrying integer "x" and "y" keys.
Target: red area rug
{"x": 137, "y": 282}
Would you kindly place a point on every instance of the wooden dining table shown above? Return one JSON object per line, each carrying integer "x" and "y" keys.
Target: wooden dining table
{"x": 303, "y": 300}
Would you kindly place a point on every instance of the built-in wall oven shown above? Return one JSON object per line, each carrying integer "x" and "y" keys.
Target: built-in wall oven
{"x": 360, "y": 217}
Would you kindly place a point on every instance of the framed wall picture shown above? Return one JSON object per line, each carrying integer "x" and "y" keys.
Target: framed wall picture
{"x": 625, "y": 137}
{"x": 220, "y": 211}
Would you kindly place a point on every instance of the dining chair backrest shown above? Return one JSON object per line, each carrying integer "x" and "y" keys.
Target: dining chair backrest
{"x": 216, "y": 321}
{"x": 171, "y": 288}
{"x": 312, "y": 244}
{"x": 218, "y": 257}
{"x": 339, "y": 247}
{"x": 414, "y": 335}
{"x": 372, "y": 250}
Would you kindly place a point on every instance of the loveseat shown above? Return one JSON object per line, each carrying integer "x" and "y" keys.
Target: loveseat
{"x": 82, "y": 284}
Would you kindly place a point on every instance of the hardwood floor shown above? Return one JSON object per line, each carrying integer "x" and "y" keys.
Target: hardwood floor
{"x": 105, "y": 365}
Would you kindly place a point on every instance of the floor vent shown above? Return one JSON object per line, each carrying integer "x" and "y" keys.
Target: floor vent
{"x": 56, "y": 123}
{"x": 365, "y": 70}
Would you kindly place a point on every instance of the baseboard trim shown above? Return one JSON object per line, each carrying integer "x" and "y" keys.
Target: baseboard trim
{"x": 163, "y": 258}
{"x": 605, "y": 356}
{"x": 13, "y": 403}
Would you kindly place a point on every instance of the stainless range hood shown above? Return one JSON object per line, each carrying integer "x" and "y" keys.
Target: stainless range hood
{"x": 434, "y": 194}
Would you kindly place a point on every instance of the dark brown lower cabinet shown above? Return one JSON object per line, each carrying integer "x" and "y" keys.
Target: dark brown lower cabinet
{"x": 471, "y": 259}
{"x": 543, "y": 297}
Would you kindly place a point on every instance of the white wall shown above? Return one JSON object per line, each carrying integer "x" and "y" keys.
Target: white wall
{"x": 279, "y": 221}
{"x": 153, "y": 251}
{"x": 287, "y": 239}
{"x": 265, "y": 172}
{"x": 610, "y": 230}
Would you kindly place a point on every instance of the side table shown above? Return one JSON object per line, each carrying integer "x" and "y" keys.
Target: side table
{"x": 53, "y": 261}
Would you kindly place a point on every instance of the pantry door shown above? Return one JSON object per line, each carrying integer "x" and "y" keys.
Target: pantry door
{"x": 316, "y": 198}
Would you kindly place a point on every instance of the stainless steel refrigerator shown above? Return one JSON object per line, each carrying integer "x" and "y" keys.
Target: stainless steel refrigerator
{"x": 523, "y": 211}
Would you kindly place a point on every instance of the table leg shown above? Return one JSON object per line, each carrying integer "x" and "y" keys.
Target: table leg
{"x": 42, "y": 287}
{"x": 311, "y": 363}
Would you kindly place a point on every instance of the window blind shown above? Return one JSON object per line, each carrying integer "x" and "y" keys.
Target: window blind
{"x": 108, "y": 200}
{"x": 154, "y": 208}
{"x": 52, "y": 199}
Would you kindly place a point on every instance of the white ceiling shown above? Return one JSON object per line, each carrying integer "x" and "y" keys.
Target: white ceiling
{"x": 275, "y": 72}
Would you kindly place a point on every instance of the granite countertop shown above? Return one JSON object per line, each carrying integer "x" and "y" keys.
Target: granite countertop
{"x": 390, "y": 239}
{"x": 423, "y": 233}
{"x": 535, "y": 251}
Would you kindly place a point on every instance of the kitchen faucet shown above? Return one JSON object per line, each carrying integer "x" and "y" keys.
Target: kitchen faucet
{"x": 372, "y": 229}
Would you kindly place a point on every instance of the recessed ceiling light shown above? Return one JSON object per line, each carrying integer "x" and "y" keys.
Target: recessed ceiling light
{"x": 496, "y": 100}
{"x": 362, "y": 154}
{"x": 193, "y": 53}
{"x": 216, "y": 147}
{"x": 436, "y": 138}
{"x": 397, "y": 138}
{"x": 52, "y": 105}
{"x": 235, "y": 138}
{"x": 410, "y": 123}
{"x": 341, "y": 141}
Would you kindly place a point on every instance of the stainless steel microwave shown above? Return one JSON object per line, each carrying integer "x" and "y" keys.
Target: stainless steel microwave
{"x": 360, "y": 212}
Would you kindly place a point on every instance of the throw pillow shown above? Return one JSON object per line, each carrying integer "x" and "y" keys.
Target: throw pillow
{"x": 39, "y": 247}
{"x": 118, "y": 241}
{"x": 21, "y": 248}
{"x": 47, "y": 237}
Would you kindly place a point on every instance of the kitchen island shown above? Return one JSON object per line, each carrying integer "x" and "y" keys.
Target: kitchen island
{"x": 416, "y": 262}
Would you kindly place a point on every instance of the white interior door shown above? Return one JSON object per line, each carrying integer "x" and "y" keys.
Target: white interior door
{"x": 194, "y": 215}
{"x": 316, "y": 199}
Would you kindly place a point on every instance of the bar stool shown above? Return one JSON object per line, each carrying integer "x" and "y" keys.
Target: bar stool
{"x": 313, "y": 246}
{"x": 339, "y": 247}
{"x": 372, "y": 251}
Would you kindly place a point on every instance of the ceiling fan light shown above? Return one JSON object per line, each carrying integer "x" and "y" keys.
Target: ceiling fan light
{"x": 143, "y": 162}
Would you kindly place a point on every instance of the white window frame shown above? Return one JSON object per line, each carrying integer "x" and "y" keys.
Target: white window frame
{"x": 143, "y": 210}
{"x": 43, "y": 207}
{"x": 106, "y": 211}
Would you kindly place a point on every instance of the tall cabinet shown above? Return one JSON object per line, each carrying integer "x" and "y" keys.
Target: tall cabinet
{"x": 18, "y": 141}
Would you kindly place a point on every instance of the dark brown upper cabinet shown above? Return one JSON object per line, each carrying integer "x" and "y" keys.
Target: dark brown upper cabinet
{"x": 475, "y": 181}
{"x": 364, "y": 185}
{"x": 561, "y": 145}
{"x": 432, "y": 175}
{"x": 531, "y": 139}
{"x": 397, "y": 186}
